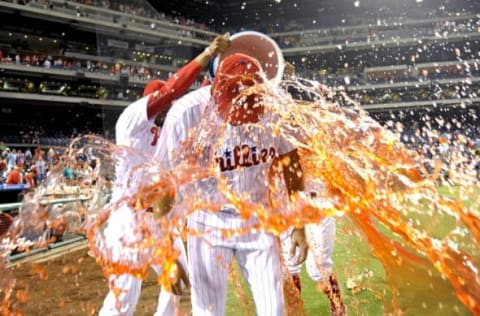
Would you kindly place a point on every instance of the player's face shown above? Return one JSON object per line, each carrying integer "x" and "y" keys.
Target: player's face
{"x": 239, "y": 100}
{"x": 236, "y": 90}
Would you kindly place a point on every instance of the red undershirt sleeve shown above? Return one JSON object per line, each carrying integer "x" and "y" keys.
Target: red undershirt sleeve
{"x": 175, "y": 87}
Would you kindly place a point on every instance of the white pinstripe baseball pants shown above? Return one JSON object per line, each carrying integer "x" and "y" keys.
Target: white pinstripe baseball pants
{"x": 130, "y": 288}
{"x": 210, "y": 256}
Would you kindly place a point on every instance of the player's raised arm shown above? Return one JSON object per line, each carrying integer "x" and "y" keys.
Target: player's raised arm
{"x": 180, "y": 82}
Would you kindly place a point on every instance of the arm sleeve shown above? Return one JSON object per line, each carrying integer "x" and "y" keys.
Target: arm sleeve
{"x": 175, "y": 87}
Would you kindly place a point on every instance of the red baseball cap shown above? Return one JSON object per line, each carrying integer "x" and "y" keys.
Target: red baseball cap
{"x": 234, "y": 74}
{"x": 153, "y": 86}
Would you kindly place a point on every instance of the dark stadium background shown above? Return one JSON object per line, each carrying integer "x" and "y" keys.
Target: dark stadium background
{"x": 69, "y": 68}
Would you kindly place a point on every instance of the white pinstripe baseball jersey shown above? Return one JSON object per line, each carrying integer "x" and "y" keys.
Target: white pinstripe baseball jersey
{"x": 126, "y": 228}
{"x": 242, "y": 156}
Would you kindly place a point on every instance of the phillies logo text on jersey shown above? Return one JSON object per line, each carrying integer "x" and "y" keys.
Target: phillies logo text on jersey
{"x": 244, "y": 156}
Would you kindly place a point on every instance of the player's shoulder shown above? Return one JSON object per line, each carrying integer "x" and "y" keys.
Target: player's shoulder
{"x": 194, "y": 100}
{"x": 137, "y": 107}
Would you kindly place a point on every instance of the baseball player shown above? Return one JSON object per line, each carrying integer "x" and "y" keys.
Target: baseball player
{"x": 320, "y": 236}
{"x": 321, "y": 241}
{"x": 136, "y": 128}
{"x": 239, "y": 123}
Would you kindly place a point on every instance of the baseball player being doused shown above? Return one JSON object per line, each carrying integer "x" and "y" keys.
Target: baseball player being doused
{"x": 218, "y": 122}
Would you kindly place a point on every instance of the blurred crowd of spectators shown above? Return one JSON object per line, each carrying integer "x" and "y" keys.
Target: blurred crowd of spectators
{"x": 43, "y": 59}
{"x": 138, "y": 8}
{"x": 351, "y": 75}
{"x": 408, "y": 73}
{"x": 133, "y": 9}
{"x": 22, "y": 166}
{"x": 31, "y": 167}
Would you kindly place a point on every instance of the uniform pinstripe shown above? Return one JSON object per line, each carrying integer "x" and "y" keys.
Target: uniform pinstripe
{"x": 210, "y": 254}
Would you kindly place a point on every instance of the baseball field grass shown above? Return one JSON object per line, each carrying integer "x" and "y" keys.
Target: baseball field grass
{"x": 357, "y": 272}
{"x": 361, "y": 276}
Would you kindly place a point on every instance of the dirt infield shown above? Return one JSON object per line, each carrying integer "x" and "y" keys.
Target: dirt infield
{"x": 73, "y": 284}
